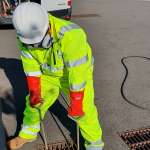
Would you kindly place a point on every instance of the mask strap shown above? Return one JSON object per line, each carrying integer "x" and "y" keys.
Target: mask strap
{"x": 47, "y": 41}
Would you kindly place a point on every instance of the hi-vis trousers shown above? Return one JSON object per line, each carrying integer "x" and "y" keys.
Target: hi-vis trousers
{"x": 50, "y": 88}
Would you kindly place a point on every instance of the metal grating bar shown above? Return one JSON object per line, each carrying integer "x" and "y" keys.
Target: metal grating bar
{"x": 138, "y": 139}
{"x": 60, "y": 145}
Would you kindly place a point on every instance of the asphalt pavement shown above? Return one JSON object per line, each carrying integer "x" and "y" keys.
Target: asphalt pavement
{"x": 115, "y": 29}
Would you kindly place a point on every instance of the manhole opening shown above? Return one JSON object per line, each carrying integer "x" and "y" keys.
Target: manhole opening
{"x": 137, "y": 139}
{"x": 60, "y": 145}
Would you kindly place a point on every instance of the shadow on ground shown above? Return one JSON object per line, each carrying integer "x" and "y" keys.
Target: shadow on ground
{"x": 6, "y": 27}
{"x": 2, "y": 132}
{"x": 14, "y": 102}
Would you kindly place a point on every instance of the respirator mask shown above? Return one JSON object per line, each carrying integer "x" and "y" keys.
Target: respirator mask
{"x": 45, "y": 43}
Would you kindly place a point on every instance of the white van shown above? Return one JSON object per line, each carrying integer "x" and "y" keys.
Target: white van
{"x": 58, "y": 8}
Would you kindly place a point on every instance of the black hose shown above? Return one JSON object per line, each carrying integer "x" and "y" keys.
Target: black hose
{"x": 125, "y": 78}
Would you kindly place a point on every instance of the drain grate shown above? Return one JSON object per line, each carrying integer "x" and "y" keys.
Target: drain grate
{"x": 138, "y": 139}
{"x": 60, "y": 145}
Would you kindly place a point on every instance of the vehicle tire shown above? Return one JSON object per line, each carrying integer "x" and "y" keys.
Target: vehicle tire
{"x": 68, "y": 15}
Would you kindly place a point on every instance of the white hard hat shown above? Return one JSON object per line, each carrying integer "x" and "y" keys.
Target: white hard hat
{"x": 31, "y": 22}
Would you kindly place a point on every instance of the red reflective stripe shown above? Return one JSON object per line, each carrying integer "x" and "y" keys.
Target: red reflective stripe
{"x": 67, "y": 17}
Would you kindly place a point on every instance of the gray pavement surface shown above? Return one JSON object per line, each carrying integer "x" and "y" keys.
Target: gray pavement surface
{"x": 121, "y": 29}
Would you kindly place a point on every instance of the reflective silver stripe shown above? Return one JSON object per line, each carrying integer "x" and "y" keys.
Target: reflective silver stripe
{"x": 26, "y": 55}
{"x": 52, "y": 69}
{"x": 77, "y": 62}
{"x": 59, "y": 54}
{"x": 99, "y": 142}
{"x": 37, "y": 126}
{"x": 94, "y": 148}
{"x": 26, "y": 131}
{"x": 78, "y": 86}
{"x": 94, "y": 145}
{"x": 92, "y": 60}
{"x": 36, "y": 73}
{"x": 67, "y": 28}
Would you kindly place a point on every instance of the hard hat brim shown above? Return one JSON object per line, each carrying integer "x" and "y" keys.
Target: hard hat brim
{"x": 33, "y": 40}
{"x": 37, "y": 39}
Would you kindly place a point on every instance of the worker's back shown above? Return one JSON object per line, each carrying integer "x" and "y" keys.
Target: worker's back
{"x": 54, "y": 61}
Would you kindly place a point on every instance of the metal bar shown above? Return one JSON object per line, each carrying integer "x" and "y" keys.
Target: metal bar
{"x": 44, "y": 136}
{"x": 148, "y": 145}
{"x": 61, "y": 145}
{"x": 146, "y": 148}
{"x": 60, "y": 129}
{"x": 137, "y": 139}
{"x": 132, "y": 140}
{"x": 42, "y": 129}
{"x": 148, "y": 134}
{"x": 78, "y": 133}
{"x": 141, "y": 136}
{"x": 142, "y": 143}
{"x": 78, "y": 138}
{"x": 145, "y": 137}
{"x": 64, "y": 99}
{"x": 129, "y": 141}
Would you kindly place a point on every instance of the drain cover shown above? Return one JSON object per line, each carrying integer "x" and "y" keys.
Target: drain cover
{"x": 138, "y": 139}
{"x": 61, "y": 145}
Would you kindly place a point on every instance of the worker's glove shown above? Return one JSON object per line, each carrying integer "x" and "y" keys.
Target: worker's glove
{"x": 34, "y": 90}
{"x": 76, "y": 102}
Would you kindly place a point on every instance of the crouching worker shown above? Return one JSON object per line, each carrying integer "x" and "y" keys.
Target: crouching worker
{"x": 56, "y": 56}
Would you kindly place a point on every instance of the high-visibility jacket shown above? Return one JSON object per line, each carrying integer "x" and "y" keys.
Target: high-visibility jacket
{"x": 70, "y": 55}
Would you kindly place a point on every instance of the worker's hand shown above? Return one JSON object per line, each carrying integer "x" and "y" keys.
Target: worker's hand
{"x": 34, "y": 91}
{"x": 76, "y": 100}
{"x": 35, "y": 100}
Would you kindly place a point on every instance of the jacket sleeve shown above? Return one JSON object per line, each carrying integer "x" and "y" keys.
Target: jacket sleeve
{"x": 77, "y": 58}
{"x": 30, "y": 65}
